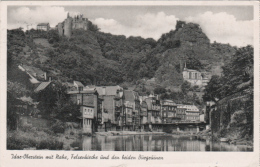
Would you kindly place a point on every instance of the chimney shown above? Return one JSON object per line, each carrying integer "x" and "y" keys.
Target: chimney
{"x": 49, "y": 79}
{"x": 104, "y": 90}
{"x": 45, "y": 76}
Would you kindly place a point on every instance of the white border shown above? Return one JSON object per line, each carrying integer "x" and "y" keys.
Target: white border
{"x": 178, "y": 159}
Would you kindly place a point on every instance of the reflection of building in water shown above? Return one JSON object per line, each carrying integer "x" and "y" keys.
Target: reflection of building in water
{"x": 87, "y": 143}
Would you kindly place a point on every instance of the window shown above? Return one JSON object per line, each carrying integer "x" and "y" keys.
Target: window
{"x": 189, "y": 75}
{"x": 80, "y": 88}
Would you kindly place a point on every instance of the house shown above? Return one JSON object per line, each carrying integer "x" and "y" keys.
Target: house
{"x": 144, "y": 116}
{"x": 169, "y": 114}
{"x": 90, "y": 105}
{"x": 42, "y": 86}
{"x": 192, "y": 113}
{"x": 36, "y": 75}
{"x": 181, "y": 114}
{"x": 132, "y": 109}
{"x": 195, "y": 77}
{"x": 112, "y": 97}
{"x": 154, "y": 113}
{"x": 43, "y": 26}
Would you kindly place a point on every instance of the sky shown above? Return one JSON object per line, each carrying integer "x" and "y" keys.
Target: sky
{"x": 224, "y": 24}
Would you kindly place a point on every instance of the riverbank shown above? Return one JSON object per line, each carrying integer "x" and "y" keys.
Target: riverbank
{"x": 123, "y": 133}
{"x": 208, "y": 135}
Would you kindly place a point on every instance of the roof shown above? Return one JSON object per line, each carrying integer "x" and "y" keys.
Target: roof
{"x": 108, "y": 90}
{"x": 149, "y": 103}
{"x": 191, "y": 70}
{"x": 42, "y": 86}
{"x": 169, "y": 101}
{"x": 86, "y": 91}
{"x": 33, "y": 71}
{"x": 43, "y": 24}
{"x": 28, "y": 100}
{"x": 79, "y": 84}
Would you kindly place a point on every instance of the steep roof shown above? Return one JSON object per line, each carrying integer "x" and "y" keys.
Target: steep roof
{"x": 84, "y": 91}
{"x": 43, "y": 24}
{"x": 78, "y": 83}
{"x": 164, "y": 102}
{"x": 149, "y": 103}
{"x": 42, "y": 86}
{"x": 191, "y": 70}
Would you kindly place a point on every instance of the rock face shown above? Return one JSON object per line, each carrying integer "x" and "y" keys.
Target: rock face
{"x": 232, "y": 117}
{"x": 187, "y": 43}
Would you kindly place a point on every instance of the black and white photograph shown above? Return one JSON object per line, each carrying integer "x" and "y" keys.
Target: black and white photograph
{"x": 142, "y": 78}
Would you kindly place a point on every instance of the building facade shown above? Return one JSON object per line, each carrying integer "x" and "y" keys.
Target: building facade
{"x": 43, "y": 26}
{"x": 169, "y": 114}
{"x": 192, "y": 113}
{"x": 90, "y": 105}
{"x": 112, "y": 97}
{"x": 154, "y": 113}
{"x": 195, "y": 77}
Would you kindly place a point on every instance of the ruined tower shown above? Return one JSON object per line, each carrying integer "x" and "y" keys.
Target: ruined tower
{"x": 78, "y": 22}
{"x": 60, "y": 29}
{"x": 68, "y": 26}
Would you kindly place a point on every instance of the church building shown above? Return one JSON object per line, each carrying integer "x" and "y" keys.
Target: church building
{"x": 195, "y": 77}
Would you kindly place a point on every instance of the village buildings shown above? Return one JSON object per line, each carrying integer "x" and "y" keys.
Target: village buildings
{"x": 43, "y": 26}
{"x": 111, "y": 108}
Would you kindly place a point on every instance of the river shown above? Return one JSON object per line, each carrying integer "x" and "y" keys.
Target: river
{"x": 153, "y": 143}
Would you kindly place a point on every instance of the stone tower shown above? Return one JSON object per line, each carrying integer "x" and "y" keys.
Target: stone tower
{"x": 68, "y": 26}
{"x": 78, "y": 22}
{"x": 60, "y": 29}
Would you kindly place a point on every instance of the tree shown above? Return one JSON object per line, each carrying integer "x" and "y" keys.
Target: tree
{"x": 159, "y": 90}
{"x": 52, "y": 98}
{"x": 68, "y": 112}
{"x": 212, "y": 90}
{"x": 185, "y": 87}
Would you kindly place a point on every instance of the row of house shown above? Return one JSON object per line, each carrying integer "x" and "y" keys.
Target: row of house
{"x": 113, "y": 108}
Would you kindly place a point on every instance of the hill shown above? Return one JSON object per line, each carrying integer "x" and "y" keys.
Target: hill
{"x": 94, "y": 57}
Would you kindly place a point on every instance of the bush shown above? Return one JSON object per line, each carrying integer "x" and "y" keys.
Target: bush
{"x": 58, "y": 127}
{"x": 19, "y": 141}
{"x": 39, "y": 139}
{"x": 223, "y": 132}
{"x": 50, "y": 144}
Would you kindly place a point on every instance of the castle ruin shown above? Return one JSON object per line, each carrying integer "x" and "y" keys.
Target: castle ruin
{"x": 78, "y": 22}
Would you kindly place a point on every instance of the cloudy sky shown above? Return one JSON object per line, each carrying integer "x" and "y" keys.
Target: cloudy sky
{"x": 224, "y": 24}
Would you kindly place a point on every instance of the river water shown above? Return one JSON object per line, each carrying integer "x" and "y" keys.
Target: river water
{"x": 153, "y": 143}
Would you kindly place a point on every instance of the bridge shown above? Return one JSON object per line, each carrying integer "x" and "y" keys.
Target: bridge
{"x": 183, "y": 126}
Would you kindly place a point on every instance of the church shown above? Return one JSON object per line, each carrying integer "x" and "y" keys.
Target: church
{"x": 196, "y": 78}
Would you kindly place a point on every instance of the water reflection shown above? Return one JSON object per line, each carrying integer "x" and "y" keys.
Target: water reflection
{"x": 154, "y": 143}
